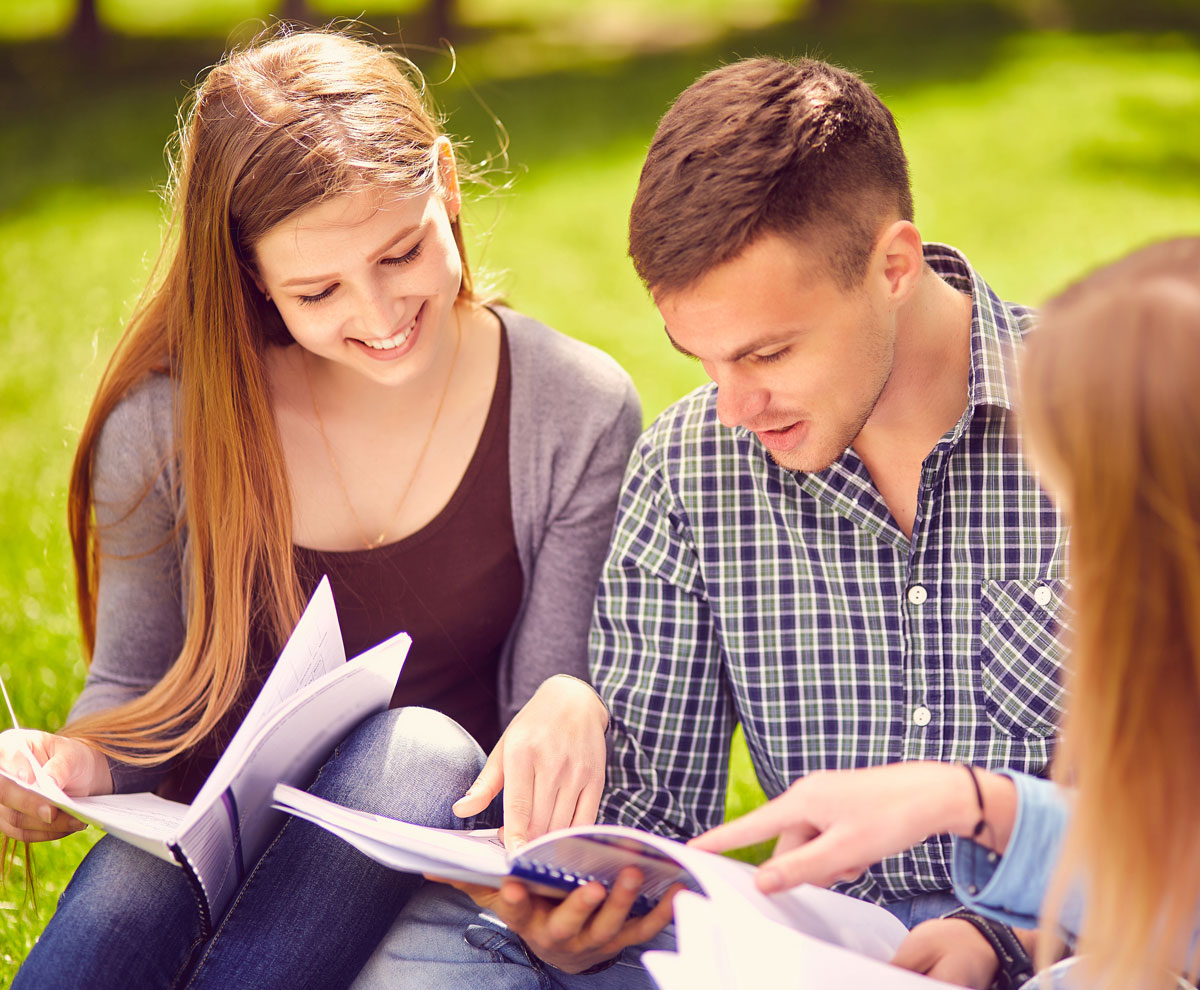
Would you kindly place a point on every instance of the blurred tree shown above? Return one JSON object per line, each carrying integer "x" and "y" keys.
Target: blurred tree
{"x": 443, "y": 19}
{"x": 85, "y": 33}
{"x": 299, "y": 11}
{"x": 440, "y": 16}
{"x": 825, "y": 11}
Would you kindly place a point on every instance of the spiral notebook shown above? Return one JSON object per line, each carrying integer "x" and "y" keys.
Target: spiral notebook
{"x": 560, "y": 861}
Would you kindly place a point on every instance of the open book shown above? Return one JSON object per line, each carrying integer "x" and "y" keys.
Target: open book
{"x": 717, "y": 945}
{"x": 310, "y": 701}
{"x": 570, "y": 857}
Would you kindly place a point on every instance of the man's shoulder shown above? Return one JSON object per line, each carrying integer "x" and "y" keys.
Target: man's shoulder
{"x": 692, "y": 452}
{"x": 686, "y": 426}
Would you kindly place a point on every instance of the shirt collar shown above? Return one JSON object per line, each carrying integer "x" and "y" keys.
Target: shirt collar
{"x": 995, "y": 330}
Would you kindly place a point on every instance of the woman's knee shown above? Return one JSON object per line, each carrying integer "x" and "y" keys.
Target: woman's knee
{"x": 406, "y": 763}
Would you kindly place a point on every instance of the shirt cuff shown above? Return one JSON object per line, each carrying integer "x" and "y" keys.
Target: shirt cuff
{"x": 1010, "y": 887}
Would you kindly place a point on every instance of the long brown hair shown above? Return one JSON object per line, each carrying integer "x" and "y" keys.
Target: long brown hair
{"x": 271, "y": 130}
{"x": 1111, "y": 392}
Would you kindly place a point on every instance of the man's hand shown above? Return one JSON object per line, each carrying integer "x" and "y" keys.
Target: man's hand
{"x": 588, "y": 927}
{"x": 951, "y": 950}
{"x": 76, "y": 767}
{"x": 550, "y": 763}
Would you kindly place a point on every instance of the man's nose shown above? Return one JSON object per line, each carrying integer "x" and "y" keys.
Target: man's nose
{"x": 739, "y": 402}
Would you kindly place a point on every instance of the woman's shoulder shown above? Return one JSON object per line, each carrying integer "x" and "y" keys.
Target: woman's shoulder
{"x": 555, "y": 364}
{"x": 138, "y": 433}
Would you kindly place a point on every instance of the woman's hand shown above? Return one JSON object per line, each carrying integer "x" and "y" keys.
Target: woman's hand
{"x": 832, "y": 825}
{"x": 549, "y": 762}
{"x": 75, "y": 766}
{"x": 951, "y": 950}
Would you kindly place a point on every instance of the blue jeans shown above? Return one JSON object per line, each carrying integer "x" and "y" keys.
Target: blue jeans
{"x": 443, "y": 939}
{"x": 310, "y": 912}
{"x": 924, "y": 907}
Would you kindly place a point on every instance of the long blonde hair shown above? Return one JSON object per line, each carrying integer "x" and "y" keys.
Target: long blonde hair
{"x": 1111, "y": 393}
{"x": 271, "y": 130}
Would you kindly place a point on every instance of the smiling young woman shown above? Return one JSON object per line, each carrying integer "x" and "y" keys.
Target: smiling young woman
{"x": 312, "y": 386}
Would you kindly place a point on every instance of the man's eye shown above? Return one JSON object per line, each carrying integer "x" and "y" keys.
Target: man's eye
{"x": 773, "y": 356}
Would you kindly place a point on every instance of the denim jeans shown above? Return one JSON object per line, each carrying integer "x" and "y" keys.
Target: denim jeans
{"x": 443, "y": 939}
{"x": 310, "y": 912}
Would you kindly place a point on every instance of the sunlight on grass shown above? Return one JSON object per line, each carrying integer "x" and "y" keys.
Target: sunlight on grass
{"x": 1039, "y": 154}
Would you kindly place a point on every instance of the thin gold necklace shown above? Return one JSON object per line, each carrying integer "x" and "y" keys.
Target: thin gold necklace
{"x": 379, "y": 540}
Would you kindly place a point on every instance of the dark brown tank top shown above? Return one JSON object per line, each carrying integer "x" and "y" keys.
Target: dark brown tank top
{"x": 454, "y": 586}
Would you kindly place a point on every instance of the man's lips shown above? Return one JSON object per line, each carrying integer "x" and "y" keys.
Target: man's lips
{"x": 787, "y": 438}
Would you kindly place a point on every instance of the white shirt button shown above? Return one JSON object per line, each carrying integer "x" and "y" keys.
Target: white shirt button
{"x": 917, "y": 594}
{"x": 1043, "y": 595}
{"x": 921, "y": 715}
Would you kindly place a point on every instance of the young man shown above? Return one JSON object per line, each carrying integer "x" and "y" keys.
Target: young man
{"x": 837, "y": 542}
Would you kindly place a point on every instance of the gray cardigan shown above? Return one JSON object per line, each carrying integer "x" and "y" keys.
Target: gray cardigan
{"x": 573, "y": 420}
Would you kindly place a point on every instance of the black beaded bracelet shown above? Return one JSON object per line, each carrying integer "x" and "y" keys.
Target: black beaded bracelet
{"x": 1015, "y": 965}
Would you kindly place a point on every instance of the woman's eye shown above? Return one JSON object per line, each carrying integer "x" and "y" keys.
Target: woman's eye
{"x": 405, "y": 259}
{"x": 309, "y": 300}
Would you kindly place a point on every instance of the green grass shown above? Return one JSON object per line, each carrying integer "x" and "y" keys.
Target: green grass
{"x": 1039, "y": 153}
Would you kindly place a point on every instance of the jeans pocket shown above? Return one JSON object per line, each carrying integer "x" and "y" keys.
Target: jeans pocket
{"x": 505, "y": 947}
{"x": 1021, "y": 654}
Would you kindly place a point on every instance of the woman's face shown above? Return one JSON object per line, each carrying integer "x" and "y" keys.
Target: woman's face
{"x": 366, "y": 281}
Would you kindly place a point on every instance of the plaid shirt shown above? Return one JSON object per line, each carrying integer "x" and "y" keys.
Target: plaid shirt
{"x": 736, "y": 590}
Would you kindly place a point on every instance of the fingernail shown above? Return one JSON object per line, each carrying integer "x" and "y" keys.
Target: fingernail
{"x": 46, "y": 813}
{"x": 769, "y": 880}
{"x": 630, "y": 883}
{"x": 593, "y": 895}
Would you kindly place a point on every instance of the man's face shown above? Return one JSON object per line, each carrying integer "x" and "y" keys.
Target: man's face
{"x": 797, "y": 359}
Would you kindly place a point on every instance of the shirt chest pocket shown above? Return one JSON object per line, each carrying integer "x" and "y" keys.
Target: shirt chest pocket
{"x": 1021, "y": 654}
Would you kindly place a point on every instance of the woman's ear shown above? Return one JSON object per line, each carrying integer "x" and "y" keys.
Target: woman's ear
{"x": 448, "y": 174}
{"x": 270, "y": 320}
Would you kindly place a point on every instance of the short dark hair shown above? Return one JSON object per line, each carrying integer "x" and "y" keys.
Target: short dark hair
{"x": 767, "y": 146}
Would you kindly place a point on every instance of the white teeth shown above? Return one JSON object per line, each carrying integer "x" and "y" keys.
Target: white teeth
{"x": 391, "y": 343}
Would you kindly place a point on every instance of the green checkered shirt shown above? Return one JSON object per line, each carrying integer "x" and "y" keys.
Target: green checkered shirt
{"x": 736, "y": 590}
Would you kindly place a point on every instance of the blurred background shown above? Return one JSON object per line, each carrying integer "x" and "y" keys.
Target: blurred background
{"x": 1045, "y": 137}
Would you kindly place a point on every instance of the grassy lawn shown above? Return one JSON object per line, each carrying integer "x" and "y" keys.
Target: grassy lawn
{"x": 1040, "y": 153}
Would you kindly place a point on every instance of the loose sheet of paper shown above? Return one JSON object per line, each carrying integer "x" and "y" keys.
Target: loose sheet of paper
{"x": 722, "y": 946}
